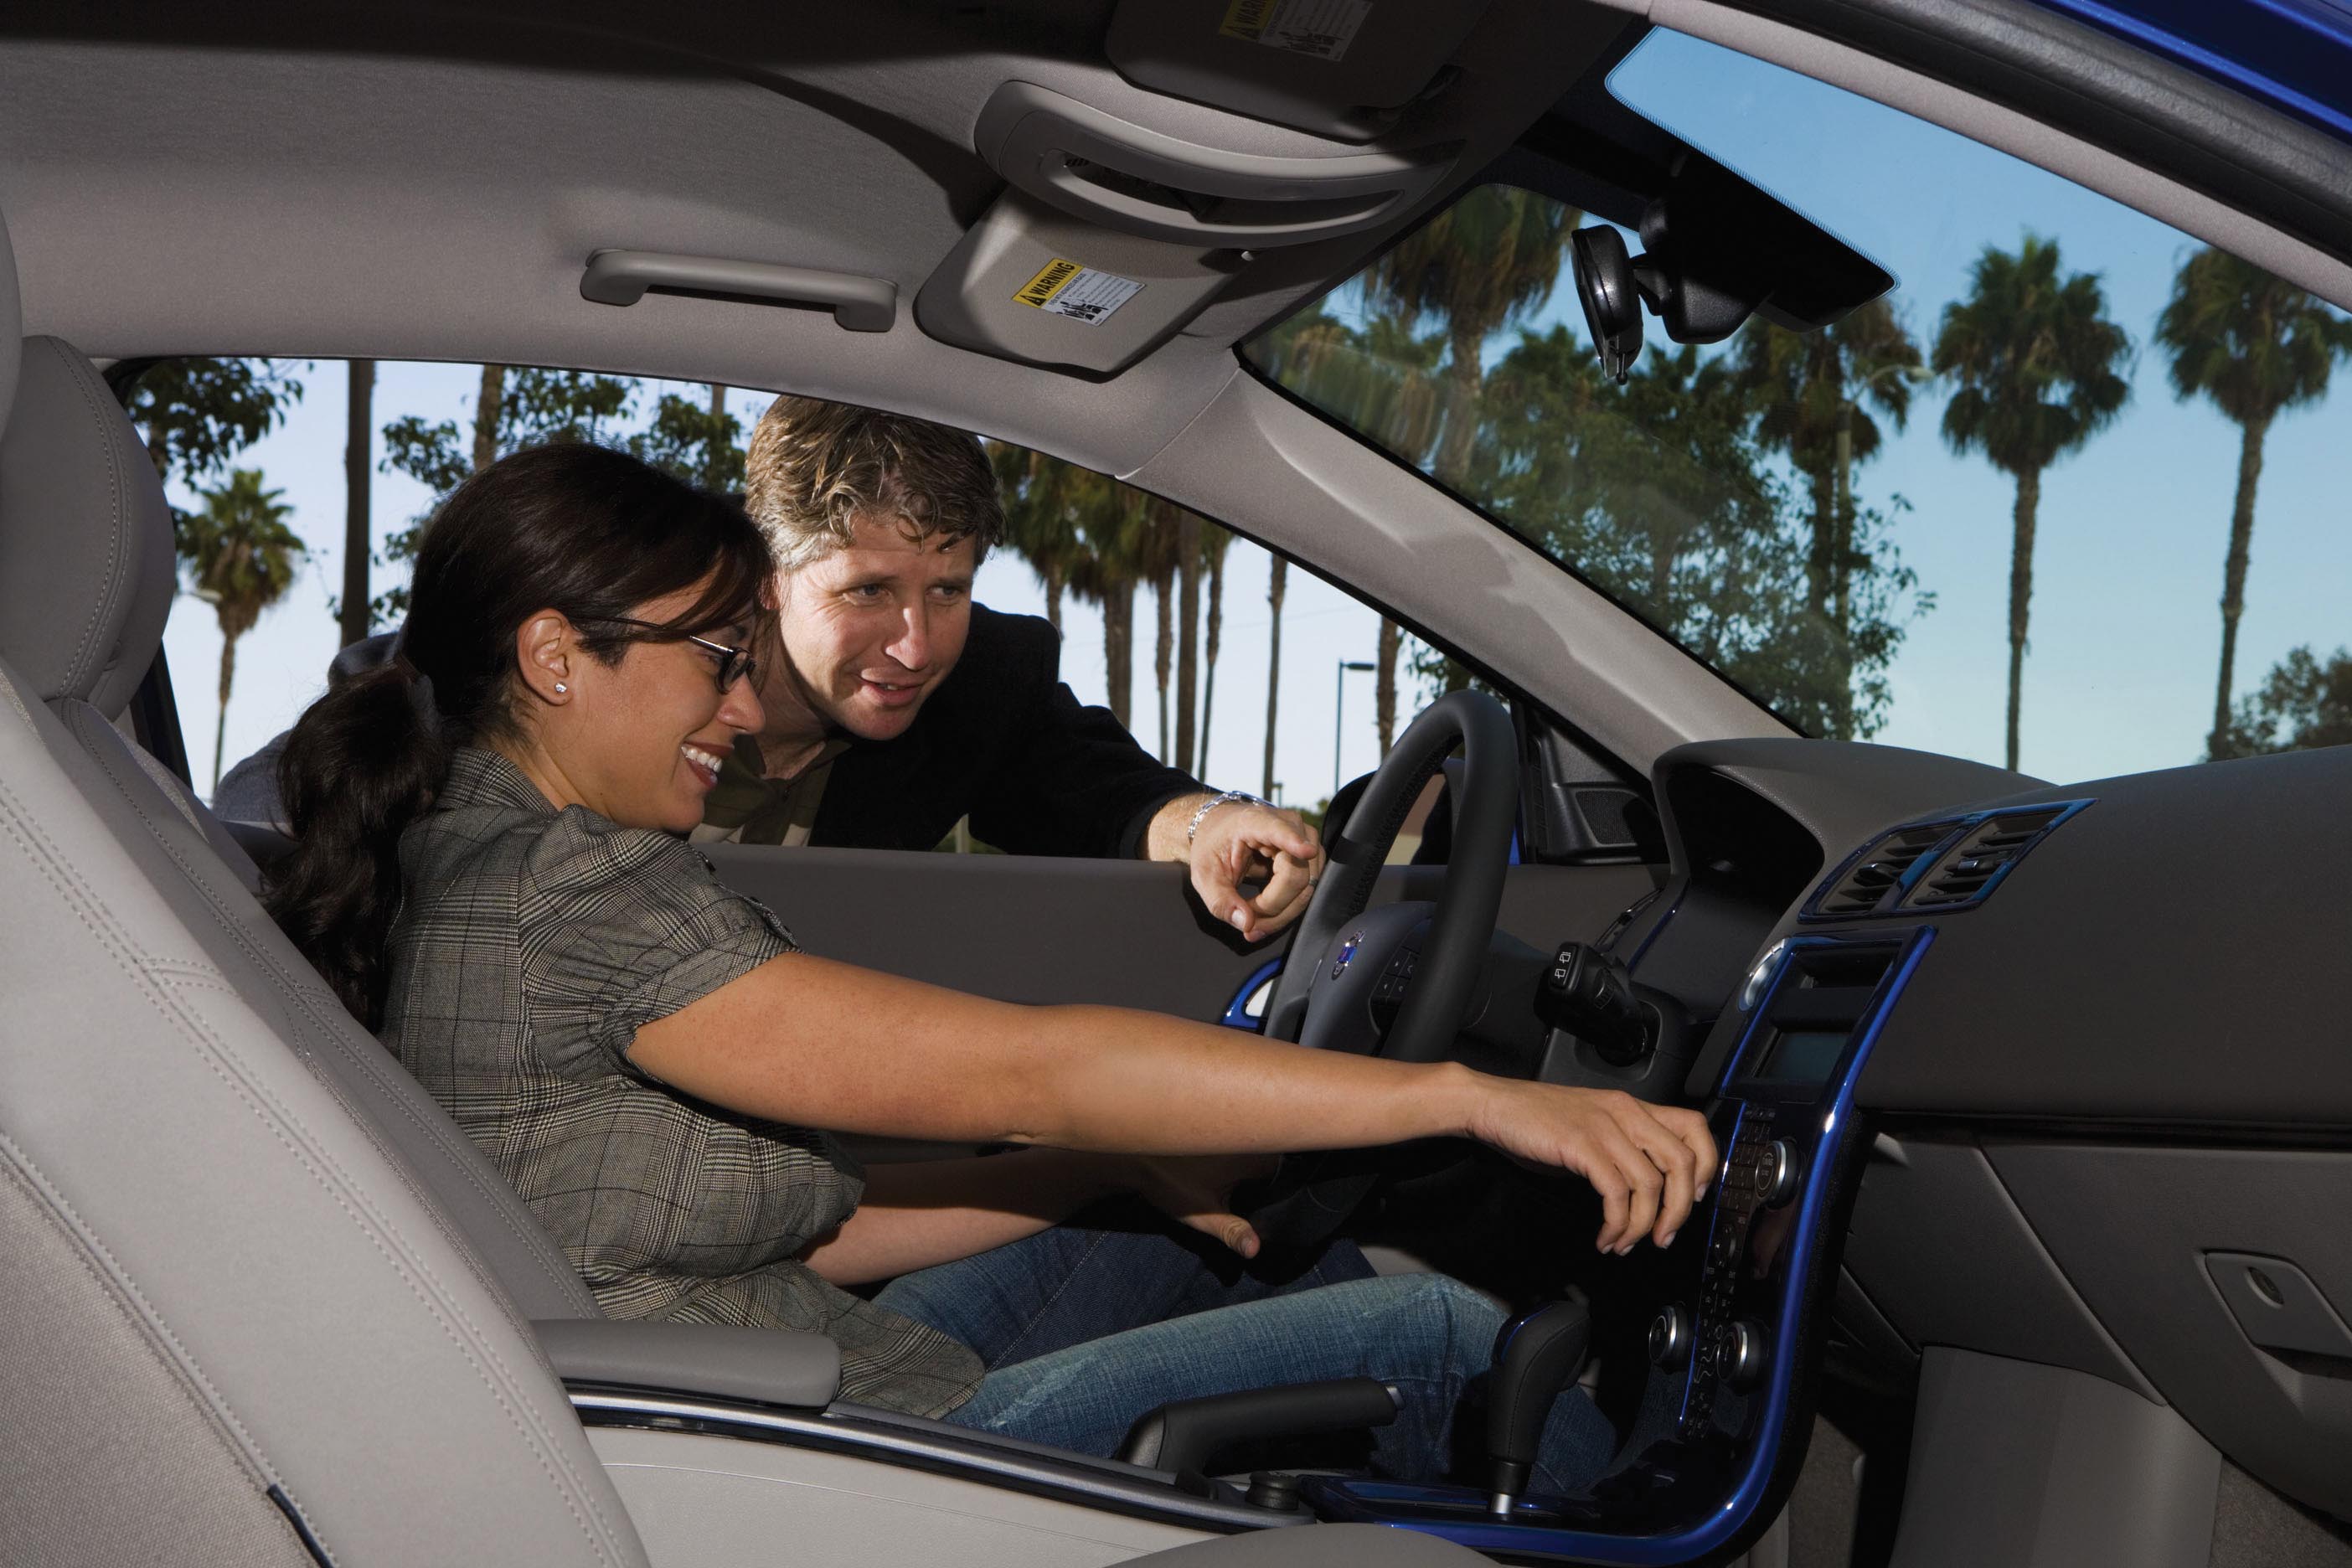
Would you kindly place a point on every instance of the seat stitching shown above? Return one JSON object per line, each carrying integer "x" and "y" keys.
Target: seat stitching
{"x": 115, "y": 585}
{"x": 22, "y": 1173}
{"x": 276, "y": 1119}
{"x": 307, "y": 999}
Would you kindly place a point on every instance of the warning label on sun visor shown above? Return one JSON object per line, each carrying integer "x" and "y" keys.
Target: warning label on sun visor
{"x": 1081, "y": 293}
{"x": 1323, "y": 28}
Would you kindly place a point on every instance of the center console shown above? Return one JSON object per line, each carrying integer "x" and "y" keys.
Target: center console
{"x": 1721, "y": 1431}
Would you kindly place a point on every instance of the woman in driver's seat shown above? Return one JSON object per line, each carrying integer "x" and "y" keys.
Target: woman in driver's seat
{"x": 489, "y": 872}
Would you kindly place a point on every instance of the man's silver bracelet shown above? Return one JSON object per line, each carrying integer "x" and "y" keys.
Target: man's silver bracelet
{"x": 1193, "y": 827}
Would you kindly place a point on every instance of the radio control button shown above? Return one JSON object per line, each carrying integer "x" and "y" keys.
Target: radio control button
{"x": 1744, "y": 1353}
{"x": 1670, "y": 1337}
{"x": 1781, "y": 1170}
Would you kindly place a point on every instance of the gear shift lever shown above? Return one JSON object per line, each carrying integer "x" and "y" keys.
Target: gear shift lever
{"x": 1538, "y": 1354}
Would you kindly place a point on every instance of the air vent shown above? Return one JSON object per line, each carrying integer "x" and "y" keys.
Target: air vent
{"x": 1867, "y": 882}
{"x": 1983, "y": 855}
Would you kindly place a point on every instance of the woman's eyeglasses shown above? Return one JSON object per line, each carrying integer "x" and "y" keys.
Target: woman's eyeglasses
{"x": 734, "y": 663}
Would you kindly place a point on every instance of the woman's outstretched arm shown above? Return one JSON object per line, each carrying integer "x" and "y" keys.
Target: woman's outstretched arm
{"x": 935, "y": 1211}
{"x": 808, "y": 1040}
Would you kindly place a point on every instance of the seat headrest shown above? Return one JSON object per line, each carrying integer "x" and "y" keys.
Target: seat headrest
{"x": 11, "y": 324}
{"x": 87, "y": 570}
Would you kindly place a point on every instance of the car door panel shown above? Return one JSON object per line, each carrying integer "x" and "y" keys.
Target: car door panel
{"x": 1121, "y": 933}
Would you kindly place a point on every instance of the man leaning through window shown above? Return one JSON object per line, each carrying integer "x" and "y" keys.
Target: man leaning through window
{"x": 896, "y": 706}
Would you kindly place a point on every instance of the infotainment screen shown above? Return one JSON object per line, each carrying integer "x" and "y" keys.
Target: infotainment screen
{"x": 1801, "y": 1056}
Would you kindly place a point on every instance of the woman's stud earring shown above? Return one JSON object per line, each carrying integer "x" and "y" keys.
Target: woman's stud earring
{"x": 561, "y": 688}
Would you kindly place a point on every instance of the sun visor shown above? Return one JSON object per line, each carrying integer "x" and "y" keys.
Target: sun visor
{"x": 1113, "y": 236}
{"x": 1341, "y": 68}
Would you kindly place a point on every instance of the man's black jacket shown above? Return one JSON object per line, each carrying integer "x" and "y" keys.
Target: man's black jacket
{"x": 1002, "y": 741}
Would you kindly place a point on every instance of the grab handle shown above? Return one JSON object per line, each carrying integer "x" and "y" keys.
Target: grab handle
{"x": 622, "y": 277}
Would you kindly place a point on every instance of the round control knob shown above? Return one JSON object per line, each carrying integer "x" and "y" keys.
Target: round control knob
{"x": 1781, "y": 1170}
{"x": 1670, "y": 1338}
{"x": 1743, "y": 1354}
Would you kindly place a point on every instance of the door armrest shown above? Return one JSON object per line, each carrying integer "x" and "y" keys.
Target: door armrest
{"x": 767, "y": 1366}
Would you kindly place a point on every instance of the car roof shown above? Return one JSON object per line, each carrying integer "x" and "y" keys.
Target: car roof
{"x": 2293, "y": 54}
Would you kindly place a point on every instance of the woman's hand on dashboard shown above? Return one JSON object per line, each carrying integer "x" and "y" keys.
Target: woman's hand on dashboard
{"x": 1649, "y": 1162}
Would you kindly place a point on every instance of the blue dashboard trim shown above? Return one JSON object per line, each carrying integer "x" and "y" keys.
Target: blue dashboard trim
{"x": 1748, "y": 1493}
{"x": 1235, "y": 1018}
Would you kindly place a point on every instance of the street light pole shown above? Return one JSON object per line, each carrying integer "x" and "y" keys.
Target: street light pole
{"x": 1338, "y": 702}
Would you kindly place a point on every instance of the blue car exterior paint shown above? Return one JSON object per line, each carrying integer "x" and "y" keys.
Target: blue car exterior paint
{"x": 2293, "y": 54}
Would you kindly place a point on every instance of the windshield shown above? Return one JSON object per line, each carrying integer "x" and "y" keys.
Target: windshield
{"x": 2007, "y": 511}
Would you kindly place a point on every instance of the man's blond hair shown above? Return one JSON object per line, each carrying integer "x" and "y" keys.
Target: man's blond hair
{"x": 815, "y": 466}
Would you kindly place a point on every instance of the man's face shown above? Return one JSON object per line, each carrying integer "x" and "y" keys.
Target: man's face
{"x": 869, "y": 631}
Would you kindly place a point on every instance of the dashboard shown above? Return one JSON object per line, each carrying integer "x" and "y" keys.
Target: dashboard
{"x": 2035, "y": 1100}
{"x": 2102, "y": 1119}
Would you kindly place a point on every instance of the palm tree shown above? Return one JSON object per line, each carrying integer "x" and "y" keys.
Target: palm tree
{"x": 1277, "y": 582}
{"x": 488, "y": 407}
{"x": 2257, "y": 347}
{"x": 1106, "y": 569}
{"x": 241, "y": 559}
{"x": 1215, "y": 541}
{"x": 714, "y": 450}
{"x": 1043, "y": 501}
{"x": 359, "y": 533}
{"x": 2037, "y": 370}
{"x": 1156, "y": 560}
{"x": 1809, "y": 386}
{"x": 1487, "y": 260}
{"x": 1188, "y": 636}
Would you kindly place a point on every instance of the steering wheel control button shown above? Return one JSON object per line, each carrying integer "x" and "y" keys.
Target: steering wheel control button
{"x": 1670, "y": 1338}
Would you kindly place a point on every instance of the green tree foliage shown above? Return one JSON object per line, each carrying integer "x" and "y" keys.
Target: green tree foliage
{"x": 702, "y": 446}
{"x": 2302, "y": 703}
{"x": 531, "y": 407}
{"x": 2255, "y": 346}
{"x": 200, "y": 413}
{"x": 1662, "y": 494}
{"x": 1482, "y": 263}
{"x": 240, "y": 558}
{"x": 2037, "y": 369}
{"x": 1813, "y": 394}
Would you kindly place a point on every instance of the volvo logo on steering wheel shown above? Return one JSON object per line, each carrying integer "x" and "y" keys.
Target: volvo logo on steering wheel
{"x": 1347, "y": 954}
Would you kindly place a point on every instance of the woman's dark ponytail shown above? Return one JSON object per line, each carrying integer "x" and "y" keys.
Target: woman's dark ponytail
{"x": 363, "y": 762}
{"x": 572, "y": 527}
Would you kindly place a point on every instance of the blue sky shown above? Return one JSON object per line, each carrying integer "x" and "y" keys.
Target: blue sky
{"x": 2125, "y": 624}
{"x": 2125, "y": 635}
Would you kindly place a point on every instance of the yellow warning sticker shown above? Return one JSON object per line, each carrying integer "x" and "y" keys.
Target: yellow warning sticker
{"x": 1323, "y": 28}
{"x": 1081, "y": 293}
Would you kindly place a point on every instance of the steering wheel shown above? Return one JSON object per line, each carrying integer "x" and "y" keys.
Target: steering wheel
{"x": 1338, "y": 957}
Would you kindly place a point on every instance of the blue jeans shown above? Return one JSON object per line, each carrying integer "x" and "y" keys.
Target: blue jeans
{"x": 1117, "y": 1265}
{"x": 1427, "y": 1334}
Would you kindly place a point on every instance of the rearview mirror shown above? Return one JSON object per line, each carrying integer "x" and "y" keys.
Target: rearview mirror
{"x": 1606, "y": 289}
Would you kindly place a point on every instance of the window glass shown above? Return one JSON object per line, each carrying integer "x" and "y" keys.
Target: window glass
{"x": 1274, "y": 689}
{"x": 2068, "y": 498}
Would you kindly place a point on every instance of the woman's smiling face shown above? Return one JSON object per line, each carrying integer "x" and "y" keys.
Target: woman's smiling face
{"x": 641, "y": 739}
